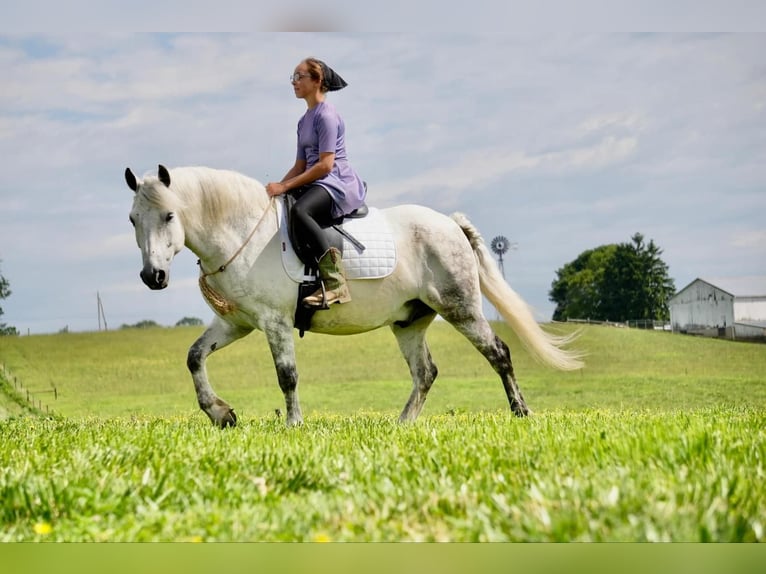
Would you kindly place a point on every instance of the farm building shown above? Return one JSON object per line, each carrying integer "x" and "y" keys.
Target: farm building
{"x": 730, "y": 308}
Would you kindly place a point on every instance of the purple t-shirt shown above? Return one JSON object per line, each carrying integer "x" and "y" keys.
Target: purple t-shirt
{"x": 321, "y": 130}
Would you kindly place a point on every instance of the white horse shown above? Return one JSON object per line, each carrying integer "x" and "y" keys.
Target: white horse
{"x": 230, "y": 223}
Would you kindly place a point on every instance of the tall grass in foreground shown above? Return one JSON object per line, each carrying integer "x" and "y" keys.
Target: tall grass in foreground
{"x": 593, "y": 475}
{"x": 660, "y": 437}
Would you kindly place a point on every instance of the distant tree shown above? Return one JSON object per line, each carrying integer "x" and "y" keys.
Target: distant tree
{"x": 659, "y": 286}
{"x": 614, "y": 282}
{"x": 189, "y": 322}
{"x": 145, "y": 324}
{"x": 5, "y": 292}
{"x": 577, "y": 291}
{"x": 636, "y": 282}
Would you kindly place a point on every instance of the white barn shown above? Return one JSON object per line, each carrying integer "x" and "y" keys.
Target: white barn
{"x": 731, "y": 308}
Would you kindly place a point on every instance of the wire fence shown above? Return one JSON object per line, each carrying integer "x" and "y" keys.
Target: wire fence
{"x": 632, "y": 324}
{"x": 26, "y": 397}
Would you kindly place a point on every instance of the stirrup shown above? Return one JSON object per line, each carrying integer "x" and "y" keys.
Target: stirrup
{"x": 323, "y": 305}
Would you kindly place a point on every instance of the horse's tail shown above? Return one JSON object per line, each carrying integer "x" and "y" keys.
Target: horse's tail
{"x": 544, "y": 346}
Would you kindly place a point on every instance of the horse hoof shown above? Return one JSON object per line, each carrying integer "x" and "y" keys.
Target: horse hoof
{"x": 229, "y": 420}
{"x": 521, "y": 411}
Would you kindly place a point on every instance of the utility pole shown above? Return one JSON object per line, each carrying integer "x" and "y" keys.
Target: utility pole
{"x": 101, "y": 314}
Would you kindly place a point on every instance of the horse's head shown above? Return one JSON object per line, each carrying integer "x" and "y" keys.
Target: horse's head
{"x": 159, "y": 232}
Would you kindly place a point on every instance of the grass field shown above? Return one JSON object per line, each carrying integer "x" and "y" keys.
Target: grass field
{"x": 143, "y": 372}
{"x": 660, "y": 437}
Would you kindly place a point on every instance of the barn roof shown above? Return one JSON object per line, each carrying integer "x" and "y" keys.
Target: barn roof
{"x": 750, "y": 286}
{"x": 753, "y": 323}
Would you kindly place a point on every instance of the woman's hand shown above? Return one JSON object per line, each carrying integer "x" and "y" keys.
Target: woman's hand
{"x": 275, "y": 188}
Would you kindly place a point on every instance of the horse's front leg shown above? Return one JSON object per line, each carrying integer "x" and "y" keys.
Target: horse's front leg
{"x": 282, "y": 345}
{"x": 216, "y": 337}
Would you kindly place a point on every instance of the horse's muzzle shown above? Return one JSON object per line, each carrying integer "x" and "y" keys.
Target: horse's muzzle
{"x": 155, "y": 278}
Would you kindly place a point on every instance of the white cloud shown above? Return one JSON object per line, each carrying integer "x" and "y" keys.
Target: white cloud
{"x": 111, "y": 246}
{"x": 633, "y": 122}
{"x": 755, "y": 239}
{"x": 607, "y": 152}
{"x": 481, "y": 168}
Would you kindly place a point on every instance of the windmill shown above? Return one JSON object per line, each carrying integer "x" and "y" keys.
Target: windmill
{"x": 500, "y": 245}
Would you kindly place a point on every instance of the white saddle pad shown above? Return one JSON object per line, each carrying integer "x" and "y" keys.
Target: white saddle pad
{"x": 373, "y": 231}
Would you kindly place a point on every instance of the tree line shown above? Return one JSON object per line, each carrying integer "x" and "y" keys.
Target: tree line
{"x": 148, "y": 323}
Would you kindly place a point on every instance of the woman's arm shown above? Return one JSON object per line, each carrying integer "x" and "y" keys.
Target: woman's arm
{"x": 298, "y": 168}
{"x": 299, "y": 175}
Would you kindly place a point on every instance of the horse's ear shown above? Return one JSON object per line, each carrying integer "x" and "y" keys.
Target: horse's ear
{"x": 131, "y": 179}
{"x": 164, "y": 175}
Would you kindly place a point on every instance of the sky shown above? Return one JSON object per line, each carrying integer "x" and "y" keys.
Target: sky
{"x": 559, "y": 141}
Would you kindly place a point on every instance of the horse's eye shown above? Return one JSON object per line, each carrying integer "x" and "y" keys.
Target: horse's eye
{"x": 169, "y": 217}
{"x": 132, "y": 221}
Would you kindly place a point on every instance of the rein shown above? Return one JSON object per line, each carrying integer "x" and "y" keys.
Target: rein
{"x": 216, "y": 300}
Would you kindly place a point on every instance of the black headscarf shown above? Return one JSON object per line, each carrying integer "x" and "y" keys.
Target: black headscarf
{"x": 332, "y": 81}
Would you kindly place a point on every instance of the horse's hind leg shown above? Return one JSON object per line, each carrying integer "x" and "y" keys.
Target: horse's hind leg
{"x": 412, "y": 342}
{"x": 477, "y": 330}
{"x": 217, "y": 336}
{"x": 459, "y": 301}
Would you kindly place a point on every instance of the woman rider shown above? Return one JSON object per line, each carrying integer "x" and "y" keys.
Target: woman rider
{"x": 329, "y": 186}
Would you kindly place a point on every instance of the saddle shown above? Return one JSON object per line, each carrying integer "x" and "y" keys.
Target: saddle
{"x": 335, "y": 235}
{"x": 334, "y": 230}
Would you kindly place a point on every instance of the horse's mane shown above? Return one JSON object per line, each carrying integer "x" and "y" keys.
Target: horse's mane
{"x": 213, "y": 194}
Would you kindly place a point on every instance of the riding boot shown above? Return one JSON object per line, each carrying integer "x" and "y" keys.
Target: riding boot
{"x": 334, "y": 288}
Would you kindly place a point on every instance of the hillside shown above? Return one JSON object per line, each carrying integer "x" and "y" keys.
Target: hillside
{"x": 134, "y": 372}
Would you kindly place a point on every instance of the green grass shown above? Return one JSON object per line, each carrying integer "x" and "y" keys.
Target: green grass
{"x": 143, "y": 372}
{"x": 660, "y": 437}
{"x": 588, "y": 476}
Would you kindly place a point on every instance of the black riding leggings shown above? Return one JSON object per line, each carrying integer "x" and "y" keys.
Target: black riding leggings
{"x": 311, "y": 211}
